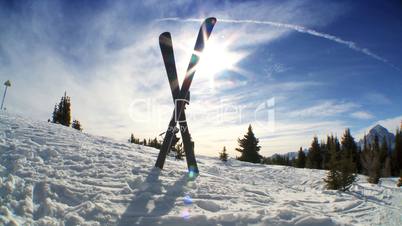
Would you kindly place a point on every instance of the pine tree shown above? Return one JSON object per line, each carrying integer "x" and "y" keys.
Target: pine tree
{"x": 55, "y": 114}
{"x": 400, "y": 181}
{"x": 397, "y": 153}
{"x": 383, "y": 151}
{"x": 371, "y": 160}
{"x": 349, "y": 148}
{"x": 134, "y": 140}
{"x": 325, "y": 154}
{"x": 77, "y": 125}
{"x": 347, "y": 172}
{"x": 387, "y": 170}
{"x": 331, "y": 143}
{"x": 249, "y": 147}
{"x": 223, "y": 156}
{"x": 314, "y": 155}
{"x": 301, "y": 159}
{"x": 385, "y": 160}
{"x": 332, "y": 180}
{"x": 341, "y": 173}
{"x": 155, "y": 143}
{"x": 62, "y": 111}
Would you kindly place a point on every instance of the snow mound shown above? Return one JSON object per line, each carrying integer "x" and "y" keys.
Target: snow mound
{"x": 53, "y": 175}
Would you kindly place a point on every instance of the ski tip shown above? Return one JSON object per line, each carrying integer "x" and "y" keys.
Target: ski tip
{"x": 211, "y": 20}
{"x": 165, "y": 39}
{"x": 165, "y": 34}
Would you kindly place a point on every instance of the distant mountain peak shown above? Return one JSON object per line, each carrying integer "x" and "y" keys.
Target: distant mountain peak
{"x": 381, "y": 132}
{"x": 378, "y": 128}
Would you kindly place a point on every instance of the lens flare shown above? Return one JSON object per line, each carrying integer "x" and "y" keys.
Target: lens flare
{"x": 187, "y": 200}
{"x": 192, "y": 174}
{"x": 185, "y": 214}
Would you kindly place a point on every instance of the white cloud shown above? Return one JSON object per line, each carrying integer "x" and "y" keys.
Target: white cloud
{"x": 324, "y": 109}
{"x": 362, "y": 115}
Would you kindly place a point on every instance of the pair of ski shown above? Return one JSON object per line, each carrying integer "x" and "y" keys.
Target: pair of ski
{"x": 181, "y": 95}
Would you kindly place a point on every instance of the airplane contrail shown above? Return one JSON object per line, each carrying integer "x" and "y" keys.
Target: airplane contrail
{"x": 298, "y": 28}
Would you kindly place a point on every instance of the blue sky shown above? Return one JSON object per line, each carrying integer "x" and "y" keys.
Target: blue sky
{"x": 292, "y": 69}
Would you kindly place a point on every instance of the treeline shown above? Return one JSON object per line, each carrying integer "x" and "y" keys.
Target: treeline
{"x": 176, "y": 147}
{"x": 155, "y": 143}
{"x": 62, "y": 114}
{"x": 375, "y": 159}
{"x": 343, "y": 158}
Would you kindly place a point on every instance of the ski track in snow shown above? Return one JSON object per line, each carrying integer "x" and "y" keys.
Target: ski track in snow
{"x": 54, "y": 175}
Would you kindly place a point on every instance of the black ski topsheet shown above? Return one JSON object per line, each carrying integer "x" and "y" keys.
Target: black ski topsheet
{"x": 203, "y": 35}
{"x": 166, "y": 46}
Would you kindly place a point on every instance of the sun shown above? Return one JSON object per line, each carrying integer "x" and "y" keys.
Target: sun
{"x": 216, "y": 58}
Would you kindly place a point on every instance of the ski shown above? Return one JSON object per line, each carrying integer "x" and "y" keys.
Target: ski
{"x": 166, "y": 46}
{"x": 203, "y": 35}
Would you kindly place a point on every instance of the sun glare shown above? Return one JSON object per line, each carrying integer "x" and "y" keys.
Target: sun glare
{"x": 217, "y": 58}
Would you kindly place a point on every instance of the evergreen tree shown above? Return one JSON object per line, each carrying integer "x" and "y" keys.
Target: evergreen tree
{"x": 134, "y": 140}
{"x": 332, "y": 142}
{"x": 383, "y": 158}
{"x": 371, "y": 160}
{"x": 301, "y": 159}
{"x": 223, "y": 156}
{"x": 349, "y": 147}
{"x": 383, "y": 151}
{"x": 155, "y": 143}
{"x": 400, "y": 181}
{"x": 387, "y": 169}
{"x": 325, "y": 154}
{"x": 249, "y": 147}
{"x": 341, "y": 173}
{"x": 77, "y": 125}
{"x": 314, "y": 155}
{"x": 55, "y": 115}
{"x": 347, "y": 172}
{"x": 397, "y": 153}
{"x": 62, "y": 111}
{"x": 332, "y": 180}
{"x": 266, "y": 160}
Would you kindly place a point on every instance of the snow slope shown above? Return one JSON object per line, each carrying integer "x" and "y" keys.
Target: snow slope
{"x": 53, "y": 175}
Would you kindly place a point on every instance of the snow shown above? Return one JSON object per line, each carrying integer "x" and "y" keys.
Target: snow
{"x": 54, "y": 175}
